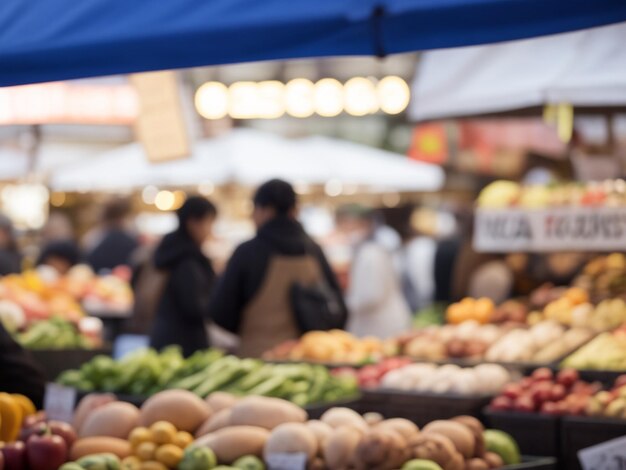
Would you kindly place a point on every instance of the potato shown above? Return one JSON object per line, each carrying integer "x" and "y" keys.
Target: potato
{"x": 115, "y": 419}
{"x": 234, "y": 442}
{"x": 99, "y": 445}
{"x": 340, "y": 447}
{"x": 219, "y": 401}
{"x": 219, "y": 420}
{"x": 265, "y": 412}
{"x": 339, "y": 416}
{"x": 291, "y": 438}
{"x": 185, "y": 410}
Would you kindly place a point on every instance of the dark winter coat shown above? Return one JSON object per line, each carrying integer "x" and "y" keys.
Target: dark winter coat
{"x": 10, "y": 262}
{"x": 115, "y": 249}
{"x": 181, "y": 313}
{"x": 246, "y": 271}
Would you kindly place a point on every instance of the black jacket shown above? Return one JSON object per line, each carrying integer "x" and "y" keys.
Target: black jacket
{"x": 181, "y": 313}
{"x": 247, "y": 267}
{"x": 115, "y": 249}
{"x": 18, "y": 371}
{"x": 10, "y": 262}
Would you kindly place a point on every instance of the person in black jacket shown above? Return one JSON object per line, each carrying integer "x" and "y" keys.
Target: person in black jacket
{"x": 252, "y": 298}
{"x": 116, "y": 244}
{"x": 18, "y": 371}
{"x": 181, "y": 312}
{"x": 10, "y": 257}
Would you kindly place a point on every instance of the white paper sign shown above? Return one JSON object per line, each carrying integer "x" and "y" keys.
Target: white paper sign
{"x": 295, "y": 461}
{"x": 59, "y": 402}
{"x": 556, "y": 229}
{"x": 610, "y": 455}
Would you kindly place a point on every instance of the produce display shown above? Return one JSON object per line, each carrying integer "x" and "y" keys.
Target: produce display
{"x": 403, "y": 374}
{"x": 145, "y": 372}
{"x": 609, "y": 403}
{"x": 483, "y": 379}
{"x": 479, "y": 310}
{"x": 466, "y": 340}
{"x": 58, "y": 333}
{"x": 41, "y": 294}
{"x": 563, "y": 394}
{"x": 605, "y": 352}
{"x": 502, "y": 194}
{"x": 544, "y": 342}
{"x": 604, "y": 277}
{"x": 335, "y": 346}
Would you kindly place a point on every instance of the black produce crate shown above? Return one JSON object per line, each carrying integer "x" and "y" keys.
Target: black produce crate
{"x": 55, "y": 361}
{"x": 536, "y": 434}
{"x": 422, "y": 407}
{"x": 534, "y": 463}
{"x": 580, "y": 432}
{"x": 315, "y": 411}
{"x": 607, "y": 377}
{"x": 373, "y": 401}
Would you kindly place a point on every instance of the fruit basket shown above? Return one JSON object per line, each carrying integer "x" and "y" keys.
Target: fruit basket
{"x": 536, "y": 434}
{"x": 580, "y": 432}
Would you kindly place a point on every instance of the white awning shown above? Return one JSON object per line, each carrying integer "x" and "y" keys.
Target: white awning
{"x": 583, "y": 68}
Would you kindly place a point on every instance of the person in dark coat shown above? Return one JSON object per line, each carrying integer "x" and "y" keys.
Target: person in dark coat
{"x": 18, "y": 372}
{"x": 10, "y": 257}
{"x": 252, "y": 299}
{"x": 116, "y": 244}
{"x": 183, "y": 308}
{"x": 60, "y": 254}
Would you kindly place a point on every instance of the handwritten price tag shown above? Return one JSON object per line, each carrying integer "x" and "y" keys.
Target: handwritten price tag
{"x": 59, "y": 402}
{"x": 610, "y": 455}
{"x": 296, "y": 461}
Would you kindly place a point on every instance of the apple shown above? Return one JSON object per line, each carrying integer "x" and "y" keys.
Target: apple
{"x": 14, "y": 454}
{"x": 550, "y": 408}
{"x": 46, "y": 452}
{"x": 502, "y": 403}
{"x": 541, "y": 392}
{"x": 557, "y": 392}
{"x": 512, "y": 391}
{"x": 526, "y": 382}
{"x": 567, "y": 377}
{"x": 620, "y": 381}
{"x": 543, "y": 373}
{"x": 524, "y": 403}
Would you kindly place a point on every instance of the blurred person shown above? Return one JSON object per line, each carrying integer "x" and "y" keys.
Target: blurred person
{"x": 57, "y": 227}
{"x": 10, "y": 256}
{"x": 375, "y": 299}
{"x": 189, "y": 276}
{"x": 114, "y": 244}
{"x": 18, "y": 371}
{"x": 253, "y": 298}
{"x": 60, "y": 255}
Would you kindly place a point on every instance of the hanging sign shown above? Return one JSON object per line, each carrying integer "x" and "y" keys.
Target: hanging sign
{"x": 556, "y": 229}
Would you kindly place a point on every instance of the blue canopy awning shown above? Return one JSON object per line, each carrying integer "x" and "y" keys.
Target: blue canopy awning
{"x": 44, "y": 40}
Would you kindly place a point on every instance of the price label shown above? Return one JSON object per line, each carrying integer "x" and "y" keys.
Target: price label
{"x": 279, "y": 461}
{"x": 610, "y": 455}
{"x": 59, "y": 402}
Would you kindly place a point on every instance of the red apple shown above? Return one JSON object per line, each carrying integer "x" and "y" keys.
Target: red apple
{"x": 567, "y": 377}
{"x": 65, "y": 430}
{"x": 543, "y": 373}
{"x": 550, "y": 408}
{"x": 525, "y": 404}
{"x": 14, "y": 456}
{"x": 526, "y": 382}
{"x": 620, "y": 381}
{"x": 502, "y": 403}
{"x": 541, "y": 392}
{"x": 46, "y": 452}
{"x": 512, "y": 391}
{"x": 558, "y": 392}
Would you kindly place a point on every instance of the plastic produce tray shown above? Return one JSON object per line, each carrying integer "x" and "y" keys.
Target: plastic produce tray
{"x": 536, "y": 434}
{"x": 422, "y": 408}
{"x": 580, "y": 432}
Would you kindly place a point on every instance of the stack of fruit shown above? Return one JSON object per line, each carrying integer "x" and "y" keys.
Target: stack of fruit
{"x": 369, "y": 376}
{"x": 146, "y": 372}
{"x": 58, "y": 333}
{"x": 27, "y": 440}
{"x": 479, "y": 310}
{"x": 609, "y": 403}
{"x": 501, "y": 194}
{"x": 542, "y": 392}
{"x": 605, "y": 352}
{"x": 466, "y": 340}
{"x": 331, "y": 347}
{"x": 543, "y": 343}
{"x": 604, "y": 277}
